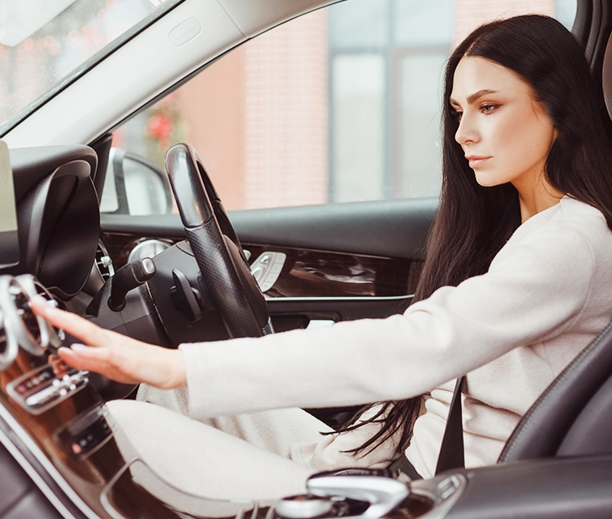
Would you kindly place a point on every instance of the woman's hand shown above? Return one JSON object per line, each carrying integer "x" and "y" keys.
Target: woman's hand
{"x": 115, "y": 356}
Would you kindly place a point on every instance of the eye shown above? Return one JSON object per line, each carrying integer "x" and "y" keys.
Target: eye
{"x": 488, "y": 108}
{"x": 456, "y": 114}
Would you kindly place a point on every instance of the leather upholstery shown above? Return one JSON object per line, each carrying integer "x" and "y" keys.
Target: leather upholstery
{"x": 542, "y": 429}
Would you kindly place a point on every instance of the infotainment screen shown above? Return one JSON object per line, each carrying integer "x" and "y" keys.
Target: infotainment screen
{"x": 9, "y": 241}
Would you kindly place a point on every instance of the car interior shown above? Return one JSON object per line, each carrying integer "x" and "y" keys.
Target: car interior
{"x": 315, "y": 264}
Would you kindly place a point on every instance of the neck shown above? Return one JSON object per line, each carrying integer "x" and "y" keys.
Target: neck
{"x": 535, "y": 201}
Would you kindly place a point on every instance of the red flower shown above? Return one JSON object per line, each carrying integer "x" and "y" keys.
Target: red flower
{"x": 160, "y": 128}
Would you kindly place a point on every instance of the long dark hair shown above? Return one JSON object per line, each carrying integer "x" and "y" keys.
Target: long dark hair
{"x": 474, "y": 222}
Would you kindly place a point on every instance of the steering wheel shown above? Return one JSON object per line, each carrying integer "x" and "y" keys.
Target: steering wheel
{"x": 226, "y": 279}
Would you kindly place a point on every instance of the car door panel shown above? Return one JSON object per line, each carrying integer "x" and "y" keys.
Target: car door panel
{"x": 343, "y": 261}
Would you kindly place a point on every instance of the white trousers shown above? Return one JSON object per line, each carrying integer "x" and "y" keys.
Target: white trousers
{"x": 246, "y": 456}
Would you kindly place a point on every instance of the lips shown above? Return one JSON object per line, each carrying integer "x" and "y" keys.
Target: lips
{"x": 476, "y": 161}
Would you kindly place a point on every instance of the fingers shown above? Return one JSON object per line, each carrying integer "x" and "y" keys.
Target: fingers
{"x": 83, "y": 357}
{"x": 154, "y": 365}
{"x": 95, "y": 359}
{"x": 73, "y": 324}
{"x": 115, "y": 356}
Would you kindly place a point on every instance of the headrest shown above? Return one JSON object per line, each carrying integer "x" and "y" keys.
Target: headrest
{"x": 606, "y": 78}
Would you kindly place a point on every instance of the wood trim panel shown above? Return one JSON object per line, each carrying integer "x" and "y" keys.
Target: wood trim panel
{"x": 314, "y": 273}
{"x": 310, "y": 273}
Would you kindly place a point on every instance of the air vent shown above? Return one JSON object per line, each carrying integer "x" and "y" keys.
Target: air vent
{"x": 104, "y": 262}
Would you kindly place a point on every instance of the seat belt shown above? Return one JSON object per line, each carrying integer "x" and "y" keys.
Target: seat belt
{"x": 451, "y": 451}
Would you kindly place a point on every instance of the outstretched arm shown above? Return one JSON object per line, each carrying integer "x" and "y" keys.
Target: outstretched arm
{"x": 115, "y": 356}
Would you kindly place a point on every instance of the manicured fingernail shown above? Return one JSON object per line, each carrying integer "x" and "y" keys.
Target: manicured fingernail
{"x": 39, "y": 300}
{"x": 78, "y": 347}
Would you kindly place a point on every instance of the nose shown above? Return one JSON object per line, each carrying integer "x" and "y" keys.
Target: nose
{"x": 466, "y": 132}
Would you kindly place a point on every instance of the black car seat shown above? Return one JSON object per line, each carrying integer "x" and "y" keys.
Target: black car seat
{"x": 574, "y": 415}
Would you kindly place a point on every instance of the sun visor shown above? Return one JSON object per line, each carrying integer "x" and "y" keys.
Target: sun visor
{"x": 9, "y": 241}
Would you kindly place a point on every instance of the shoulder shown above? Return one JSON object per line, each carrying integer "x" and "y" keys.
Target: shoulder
{"x": 567, "y": 246}
{"x": 581, "y": 216}
{"x": 571, "y": 229}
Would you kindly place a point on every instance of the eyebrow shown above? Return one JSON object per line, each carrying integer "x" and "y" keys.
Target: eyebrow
{"x": 475, "y": 96}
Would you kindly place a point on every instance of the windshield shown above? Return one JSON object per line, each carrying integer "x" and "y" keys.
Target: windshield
{"x": 46, "y": 44}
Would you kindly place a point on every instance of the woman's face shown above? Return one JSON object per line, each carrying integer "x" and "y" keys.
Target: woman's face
{"x": 505, "y": 134}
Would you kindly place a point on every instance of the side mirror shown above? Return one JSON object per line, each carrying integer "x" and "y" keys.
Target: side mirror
{"x": 134, "y": 186}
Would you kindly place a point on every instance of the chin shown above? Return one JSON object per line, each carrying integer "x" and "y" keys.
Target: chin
{"x": 486, "y": 181}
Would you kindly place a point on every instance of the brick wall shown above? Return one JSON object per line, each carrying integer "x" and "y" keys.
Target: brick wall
{"x": 286, "y": 114}
{"x": 213, "y": 107}
{"x": 258, "y": 117}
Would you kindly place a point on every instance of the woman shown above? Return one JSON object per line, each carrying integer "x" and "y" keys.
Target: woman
{"x": 515, "y": 285}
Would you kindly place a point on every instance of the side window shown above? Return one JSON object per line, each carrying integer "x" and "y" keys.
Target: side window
{"x": 386, "y": 63}
{"x": 340, "y": 105}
